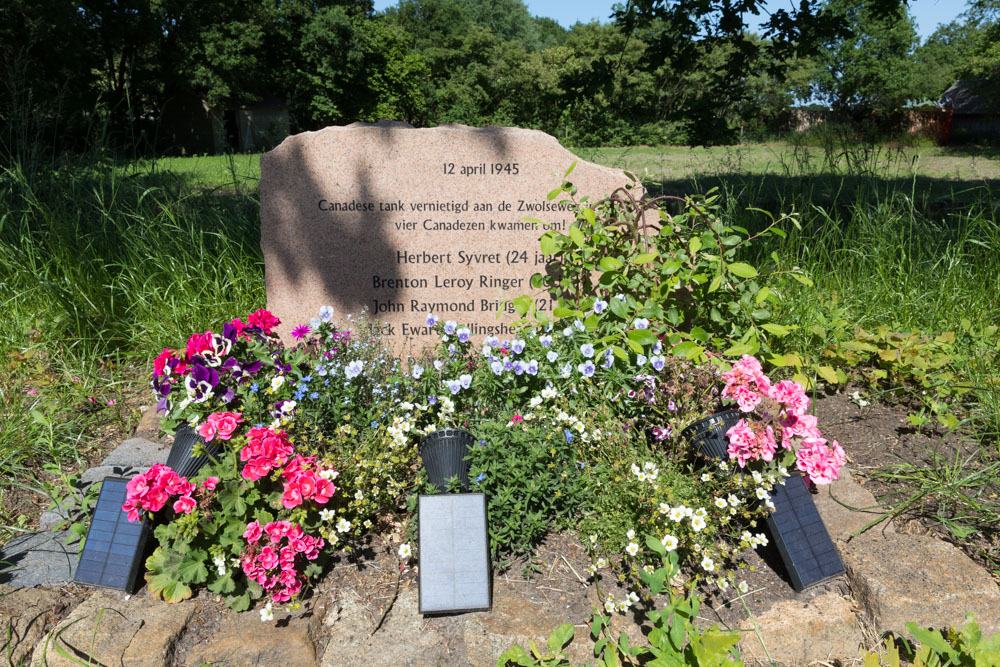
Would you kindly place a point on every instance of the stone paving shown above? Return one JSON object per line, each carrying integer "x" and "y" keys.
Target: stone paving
{"x": 891, "y": 578}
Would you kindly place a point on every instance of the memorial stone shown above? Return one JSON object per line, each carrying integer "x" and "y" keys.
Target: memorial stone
{"x": 404, "y": 223}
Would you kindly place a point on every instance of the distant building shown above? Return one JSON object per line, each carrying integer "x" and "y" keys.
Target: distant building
{"x": 974, "y": 114}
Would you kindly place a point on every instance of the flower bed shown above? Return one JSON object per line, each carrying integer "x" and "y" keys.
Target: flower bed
{"x": 319, "y": 444}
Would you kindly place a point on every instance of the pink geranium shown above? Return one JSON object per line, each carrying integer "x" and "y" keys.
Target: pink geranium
{"x": 151, "y": 490}
{"x": 221, "y": 425}
{"x": 276, "y": 567}
{"x": 199, "y": 343}
{"x": 263, "y": 319}
{"x": 792, "y": 397}
{"x": 820, "y": 462}
{"x": 746, "y": 383}
{"x": 303, "y": 483}
{"x": 750, "y": 441}
{"x": 266, "y": 449}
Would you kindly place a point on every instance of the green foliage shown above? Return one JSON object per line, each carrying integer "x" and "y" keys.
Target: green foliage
{"x": 532, "y": 481}
{"x": 684, "y": 271}
{"x": 870, "y": 67}
{"x": 965, "y": 647}
{"x": 555, "y": 657}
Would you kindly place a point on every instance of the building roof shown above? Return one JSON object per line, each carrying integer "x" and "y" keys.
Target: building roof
{"x": 967, "y": 97}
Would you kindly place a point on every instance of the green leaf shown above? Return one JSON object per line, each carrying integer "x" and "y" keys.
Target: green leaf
{"x": 562, "y": 311}
{"x": 655, "y": 545}
{"x": 550, "y": 243}
{"x": 932, "y": 639}
{"x": 742, "y": 269}
{"x": 802, "y": 278}
{"x": 560, "y": 637}
{"x": 634, "y": 346}
{"x": 610, "y": 264}
{"x": 716, "y": 282}
{"x": 522, "y": 304}
{"x": 588, "y": 214}
{"x": 644, "y": 258}
{"x": 694, "y": 245}
{"x": 828, "y": 374}
{"x": 621, "y": 353}
{"x": 643, "y": 337}
{"x": 537, "y": 281}
{"x": 618, "y": 307}
{"x": 777, "y": 329}
{"x": 570, "y": 170}
{"x": 555, "y": 193}
{"x": 688, "y": 349}
{"x": 578, "y": 238}
{"x": 762, "y": 295}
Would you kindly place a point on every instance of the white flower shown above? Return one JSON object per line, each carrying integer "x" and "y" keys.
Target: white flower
{"x": 641, "y": 475}
{"x": 633, "y": 597}
{"x": 276, "y": 382}
{"x": 267, "y": 614}
{"x": 405, "y": 551}
{"x": 648, "y": 569}
{"x": 343, "y": 525}
{"x": 664, "y": 508}
{"x": 669, "y": 542}
{"x": 697, "y": 523}
{"x": 326, "y": 515}
{"x": 332, "y": 538}
{"x": 702, "y": 512}
{"x": 706, "y": 477}
{"x": 358, "y": 495}
{"x": 632, "y": 549}
{"x": 757, "y": 477}
{"x": 721, "y": 503}
{"x": 549, "y": 392}
{"x": 761, "y": 539}
{"x": 762, "y": 494}
{"x": 733, "y": 500}
{"x": 677, "y": 513}
{"x": 601, "y": 563}
{"x": 708, "y": 564}
{"x": 622, "y": 606}
{"x": 743, "y": 587}
{"x": 609, "y": 605}
{"x": 535, "y": 402}
{"x": 723, "y": 583}
{"x": 635, "y": 469}
{"x": 630, "y": 534}
{"x": 593, "y": 539}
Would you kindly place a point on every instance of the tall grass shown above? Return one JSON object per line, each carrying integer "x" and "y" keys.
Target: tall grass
{"x": 100, "y": 266}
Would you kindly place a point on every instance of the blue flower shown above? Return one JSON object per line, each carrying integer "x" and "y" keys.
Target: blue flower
{"x": 254, "y": 388}
{"x": 326, "y": 383}
{"x": 569, "y": 435}
{"x": 480, "y": 477}
{"x": 581, "y": 464}
{"x": 314, "y": 395}
{"x": 374, "y": 424}
{"x": 307, "y": 378}
{"x": 299, "y": 395}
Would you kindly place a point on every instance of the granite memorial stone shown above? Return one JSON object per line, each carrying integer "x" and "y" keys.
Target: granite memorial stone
{"x": 404, "y": 223}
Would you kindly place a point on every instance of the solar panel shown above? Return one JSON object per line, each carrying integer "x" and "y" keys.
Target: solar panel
{"x": 115, "y": 548}
{"x": 454, "y": 559}
{"x": 798, "y": 531}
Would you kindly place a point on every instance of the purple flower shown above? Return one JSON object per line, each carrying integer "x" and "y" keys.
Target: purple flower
{"x": 586, "y": 368}
{"x": 532, "y": 367}
{"x": 431, "y": 320}
{"x": 300, "y": 332}
{"x": 450, "y": 326}
{"x": 671, "y": 405}
{"x": 517, "y": 346}
{"x": 519, "y": 367}
{"x": 463, "y": 335}
{"x": 465, "y": 380}
{"x": 587, "y": 350}
{"x": 599, "y": 306}
{"x": 658, "y": 362}
{"x": 454, "y": 386}
{"x": 552, "y": 355}
{"x": 662, "y": 433}
{"x": 496, "y": 367}
{"x": 546, "y": 341}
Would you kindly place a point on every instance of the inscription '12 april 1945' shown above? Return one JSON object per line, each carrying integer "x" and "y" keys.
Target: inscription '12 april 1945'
{"x": 494, "y": 169}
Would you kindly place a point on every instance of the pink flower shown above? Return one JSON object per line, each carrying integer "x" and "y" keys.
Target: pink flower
{"x": 263, "y": 319}
{"x": 821, "y": 463}
{"x": 184, "y": 505}
{"x": 267, "y": 558}
{"x": 746, "y": 383}
{"x": 207, "y": 431}
{"x": 791, "y": 395}
{"x": 750, "y": 442}
{"x": 253, "y": 532}
{"x": 210, "y": 483}
{"x": 199, "y": 343}
{"x": 300, "y": 332}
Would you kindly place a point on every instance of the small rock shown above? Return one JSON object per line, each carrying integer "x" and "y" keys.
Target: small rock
{"x": 108, "y": 629}
{"x": 899, "y": 578}
{"x": 39, "y": 559}
{"x": 137, "y": 453}
{"x": 24, "y": 613}
{"x": 404, "y": 638}
{"x": 149, "y": 426}
{"x": 798, "y": 633}
{"x": 243, "y": 639}
{"x": 842, "y": 522}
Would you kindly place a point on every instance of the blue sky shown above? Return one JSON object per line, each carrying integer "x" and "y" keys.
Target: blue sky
{"x": 928, "y": 13}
